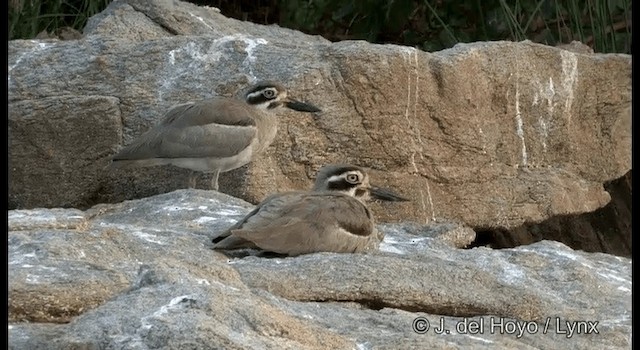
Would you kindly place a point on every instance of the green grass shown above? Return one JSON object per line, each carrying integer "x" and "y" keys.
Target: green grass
{"x": 431, "y": 25}
{"x": 605, "y": 25}
{"x": 27, "y": 18}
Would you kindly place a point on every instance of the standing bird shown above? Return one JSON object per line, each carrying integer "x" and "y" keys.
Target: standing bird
{"x": 214, "y": 135}
{"x": 333, "y": 217}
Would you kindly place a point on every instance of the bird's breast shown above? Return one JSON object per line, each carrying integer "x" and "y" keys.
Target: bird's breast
{"x": 267, "y": 126}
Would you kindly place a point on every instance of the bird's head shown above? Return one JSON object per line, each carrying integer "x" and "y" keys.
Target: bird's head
{"x": 353, "y": 181}
{"x": 270, "y": 95}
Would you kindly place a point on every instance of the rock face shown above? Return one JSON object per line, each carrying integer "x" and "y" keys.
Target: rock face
{"x": 140, "y": 274}
{"x": 496, "y": 135}
{"x": 607, "y": 229}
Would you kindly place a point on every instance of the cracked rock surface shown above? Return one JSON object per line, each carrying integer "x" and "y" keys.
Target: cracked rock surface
{"x": 140, "y": 275}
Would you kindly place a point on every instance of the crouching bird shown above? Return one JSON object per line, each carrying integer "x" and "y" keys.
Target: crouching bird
{"x": 332, "y": 217}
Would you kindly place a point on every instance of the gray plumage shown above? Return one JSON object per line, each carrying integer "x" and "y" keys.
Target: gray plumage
{"x": 214, "y": 135}
{"x": 333, "y": 217}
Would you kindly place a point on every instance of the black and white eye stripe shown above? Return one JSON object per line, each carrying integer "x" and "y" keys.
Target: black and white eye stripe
{"x": 263, "y": 93}
{"x": 345, "y": 180}
{"x": 262, "y": 96}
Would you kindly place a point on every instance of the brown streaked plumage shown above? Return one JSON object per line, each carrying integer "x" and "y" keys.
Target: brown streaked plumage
{"x": 214, "y": 135}
{"x": 333, "y": 217}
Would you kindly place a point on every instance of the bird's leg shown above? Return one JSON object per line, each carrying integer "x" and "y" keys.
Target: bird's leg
{"x": 214, "y": 180}
{"x": 192, "y": 179}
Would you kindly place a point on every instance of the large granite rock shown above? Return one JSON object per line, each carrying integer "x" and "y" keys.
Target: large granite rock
{"x": 496, "y": 135}
{"x": 607, "y": 229}
{"x": 140, "y": 275}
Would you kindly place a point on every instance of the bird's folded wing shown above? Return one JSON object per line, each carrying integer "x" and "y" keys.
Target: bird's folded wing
{"x": 267, "y": 210}
{"x": 233, "y": 242}
{"x": 212, "y": 140}
{"x": 219, "y": 236}
{"x": 349, "y": 213}
{"x": 214, "y": 110}
{"x": 302, "y": 225}
{"x": 210, "y": 128}
{"x": 286, "y": 235}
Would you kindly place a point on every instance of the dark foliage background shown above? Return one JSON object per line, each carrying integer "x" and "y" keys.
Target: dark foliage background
{"x": 430, "y": 25}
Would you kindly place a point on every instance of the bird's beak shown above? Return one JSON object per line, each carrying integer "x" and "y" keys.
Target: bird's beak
{"x": 301, "y": 106}
{"x": 386, "y": 195}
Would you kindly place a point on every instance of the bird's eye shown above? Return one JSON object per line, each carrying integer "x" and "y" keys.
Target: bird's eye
{"x": 269, "y": 93}
{"x": 353, "y": 178}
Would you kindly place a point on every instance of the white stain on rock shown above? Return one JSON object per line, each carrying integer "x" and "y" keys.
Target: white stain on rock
{"x": 148, "y": 237}
{"x": 201, "y": 20}
{"x": 546, "y": 93}
{"x": 37, "y": 48}
{"x": 183, "y": 61}
{"x": 248, "y": 62}
{"x": 410, "y": 55}
{"x": 569, "y": 80}
{"x": 520, "y": 126}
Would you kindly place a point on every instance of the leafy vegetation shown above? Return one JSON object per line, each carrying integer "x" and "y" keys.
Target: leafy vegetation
{"x": 430, "y": 25}
{"x": 28, "y": 18}
{"x": 433, "y": 25}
